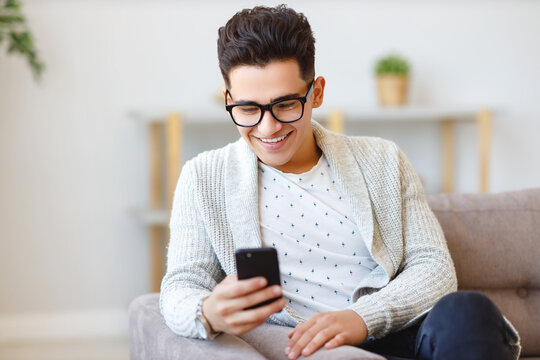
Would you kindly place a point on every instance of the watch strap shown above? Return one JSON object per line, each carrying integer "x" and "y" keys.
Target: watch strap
{"x": 210, "y": 333}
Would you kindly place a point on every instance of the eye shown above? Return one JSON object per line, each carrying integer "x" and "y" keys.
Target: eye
{"x": 288, "y": 105}
{"x": 247, "y": 109}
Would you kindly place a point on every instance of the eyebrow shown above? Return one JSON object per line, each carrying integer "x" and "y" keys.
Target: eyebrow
{"x": 284, "y": 97}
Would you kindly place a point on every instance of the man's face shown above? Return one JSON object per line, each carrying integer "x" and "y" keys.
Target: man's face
{"x": 295, "y": 151}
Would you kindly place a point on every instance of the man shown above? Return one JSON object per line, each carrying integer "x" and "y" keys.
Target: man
{"x": 362, "y": 258}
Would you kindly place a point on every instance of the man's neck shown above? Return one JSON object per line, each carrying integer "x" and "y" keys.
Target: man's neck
{"x": 304, "y": 160}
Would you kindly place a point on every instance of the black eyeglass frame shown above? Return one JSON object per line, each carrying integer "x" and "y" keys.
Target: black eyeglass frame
{"x": 268, "y": 107}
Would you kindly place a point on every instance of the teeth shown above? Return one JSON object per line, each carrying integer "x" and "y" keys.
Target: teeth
{"x": 274, "y": 140}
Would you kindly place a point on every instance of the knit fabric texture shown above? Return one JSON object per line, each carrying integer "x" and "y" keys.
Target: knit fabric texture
{"x": 215, "y": 211}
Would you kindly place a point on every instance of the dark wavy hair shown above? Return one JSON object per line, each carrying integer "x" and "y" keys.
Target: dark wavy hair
{"x": 261, "y": 35}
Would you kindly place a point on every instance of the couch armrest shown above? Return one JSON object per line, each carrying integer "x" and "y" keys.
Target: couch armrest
{"x": 150, "y": 338}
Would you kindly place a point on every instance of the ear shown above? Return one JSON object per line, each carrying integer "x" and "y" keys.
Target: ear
{"x": 224, "y": 93}
{"x": 318, "y": 91}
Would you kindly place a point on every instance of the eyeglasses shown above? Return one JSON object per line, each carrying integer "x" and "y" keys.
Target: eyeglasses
{"x": 250, "y": 113}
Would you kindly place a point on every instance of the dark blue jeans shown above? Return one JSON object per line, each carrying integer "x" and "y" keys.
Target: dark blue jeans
{"x": 462, "y": 325}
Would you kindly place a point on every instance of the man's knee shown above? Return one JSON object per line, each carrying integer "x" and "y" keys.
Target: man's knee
{"x": 464, "y": 314}
{"x": 463, "y": 325}
{"x": 465, "y": 307}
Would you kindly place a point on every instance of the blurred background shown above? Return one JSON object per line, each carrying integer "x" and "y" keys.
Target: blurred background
{"x": 75, "y": 155}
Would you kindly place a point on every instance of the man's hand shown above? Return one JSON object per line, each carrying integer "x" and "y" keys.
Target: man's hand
{"x": 224, "y": 308}
{"x": 331, "y": 329}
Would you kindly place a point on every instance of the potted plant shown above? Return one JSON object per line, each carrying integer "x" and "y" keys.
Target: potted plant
{"x": 13, "y": 28}
{"x": 392, "y": 80}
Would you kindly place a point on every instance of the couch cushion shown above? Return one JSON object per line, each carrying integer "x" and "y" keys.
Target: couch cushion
{"x": 494, "y": 240}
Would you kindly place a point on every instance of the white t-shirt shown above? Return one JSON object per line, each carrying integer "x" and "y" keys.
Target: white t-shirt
{"x": 321, "y": 253}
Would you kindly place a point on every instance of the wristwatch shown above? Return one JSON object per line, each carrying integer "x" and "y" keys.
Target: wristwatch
{"x": 203, "y": 326}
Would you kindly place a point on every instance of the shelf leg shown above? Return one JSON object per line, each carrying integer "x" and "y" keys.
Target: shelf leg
{"x": 448, "y": 151}
{"x": 336, "y": 121}
{"x": 156, "y": 250}
{"x": 173, "y": 131}
{"x": 156, "y": 200}
{"x": 484, "y": 142}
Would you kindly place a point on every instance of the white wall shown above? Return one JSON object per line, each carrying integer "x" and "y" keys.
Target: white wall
{"x": 73, "y": 163}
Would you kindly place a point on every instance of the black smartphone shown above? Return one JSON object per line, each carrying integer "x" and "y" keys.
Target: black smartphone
{"x": 251, "y": 262}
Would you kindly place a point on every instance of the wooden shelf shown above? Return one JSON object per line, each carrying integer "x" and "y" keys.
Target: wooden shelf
{"x": 402, "y": 114}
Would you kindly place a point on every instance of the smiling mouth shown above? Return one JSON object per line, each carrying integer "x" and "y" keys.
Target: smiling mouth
{"x": 274, "y": 140}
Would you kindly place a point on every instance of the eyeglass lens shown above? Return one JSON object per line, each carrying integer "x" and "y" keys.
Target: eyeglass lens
{"x": 286, "y": 110}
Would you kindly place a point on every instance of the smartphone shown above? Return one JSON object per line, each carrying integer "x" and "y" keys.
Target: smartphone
{"x": 251, "y": 262}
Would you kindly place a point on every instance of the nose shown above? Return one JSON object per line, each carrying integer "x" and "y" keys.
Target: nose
{"x": 269, "y": 125}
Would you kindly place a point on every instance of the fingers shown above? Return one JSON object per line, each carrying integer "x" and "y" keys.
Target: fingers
{"x": 231, "y": 287}
{"x": 225, "y": 307}
{"x": 258, "y": 297}
{"x": 338, "y": 340}
{"x": 309, "y": 337}
{"x": 256, "y": 316}
{"x": 291, "y": 333}
{"x": 329, "y": 329}
{"x": 320, "y": 339}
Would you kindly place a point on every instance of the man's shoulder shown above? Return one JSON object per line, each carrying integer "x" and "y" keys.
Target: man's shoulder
{"x": 374, "y": 154}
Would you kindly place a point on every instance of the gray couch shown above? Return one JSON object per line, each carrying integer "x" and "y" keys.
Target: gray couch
{"x": 494, "y": 240}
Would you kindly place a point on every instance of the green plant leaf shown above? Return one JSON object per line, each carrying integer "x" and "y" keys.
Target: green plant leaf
{"x": 13, "y": 28}
{"x": 11, "y": 19}
{"x": 392, "y": 64}
{"x": 12, "y": 4}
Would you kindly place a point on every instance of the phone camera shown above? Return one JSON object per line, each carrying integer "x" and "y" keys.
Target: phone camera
{"x": 248, "y": 255}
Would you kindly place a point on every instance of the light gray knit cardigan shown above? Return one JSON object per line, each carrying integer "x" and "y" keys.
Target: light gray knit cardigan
{"x": 215, "y": 211}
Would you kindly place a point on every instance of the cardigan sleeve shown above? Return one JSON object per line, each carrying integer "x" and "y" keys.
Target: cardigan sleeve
{"x": 427, "y": 271}
{"x": 193, "y": 269}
